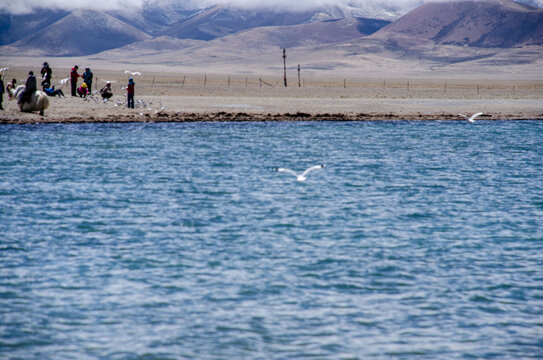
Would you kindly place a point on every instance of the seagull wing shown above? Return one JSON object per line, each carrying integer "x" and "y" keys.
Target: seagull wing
{"x": 464, "y": 116}
{"x": 311, "y": 169}
{"x": 472, "y": 118}
{"x": 288, "y": 171}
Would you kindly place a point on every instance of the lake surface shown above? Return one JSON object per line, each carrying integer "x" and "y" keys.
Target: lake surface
{"x": 418, "y": 240}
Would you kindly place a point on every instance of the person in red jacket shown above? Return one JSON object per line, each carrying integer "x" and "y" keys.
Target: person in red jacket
{"x": 130, "y": 93}
{"x": 73, "y": 79}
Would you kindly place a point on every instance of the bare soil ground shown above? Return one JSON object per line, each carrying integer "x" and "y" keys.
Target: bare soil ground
{"x": 174, "y": 96}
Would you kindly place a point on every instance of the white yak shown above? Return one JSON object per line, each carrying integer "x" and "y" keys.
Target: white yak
{"x": 38, "y": 101}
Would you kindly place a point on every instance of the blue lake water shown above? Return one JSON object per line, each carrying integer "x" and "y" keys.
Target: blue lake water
{"x": 418, "y": 240}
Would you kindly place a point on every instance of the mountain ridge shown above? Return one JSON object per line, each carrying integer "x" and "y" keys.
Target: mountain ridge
{"x": 483, "y": 23}
{"x": 444, "y": 32}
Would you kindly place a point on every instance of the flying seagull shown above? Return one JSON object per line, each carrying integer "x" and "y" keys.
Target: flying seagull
{"x": 472, "y": 117}
{"x": 2, "y": 70}
{"x": 301, "y": 177}
{"x": 132, "y": 73}
{"x": 64, "y": 81}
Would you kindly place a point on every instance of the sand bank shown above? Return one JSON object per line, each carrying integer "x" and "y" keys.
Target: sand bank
{"x": 167, "y": 97}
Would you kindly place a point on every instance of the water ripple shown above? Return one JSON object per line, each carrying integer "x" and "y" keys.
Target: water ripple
{"x": 178, "y": 241}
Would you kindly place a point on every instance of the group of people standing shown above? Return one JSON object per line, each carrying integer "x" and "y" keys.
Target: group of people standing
{"x": 106, "y": 92}
{"x": 84, "y": 90}
{"x": 86, "y": 87}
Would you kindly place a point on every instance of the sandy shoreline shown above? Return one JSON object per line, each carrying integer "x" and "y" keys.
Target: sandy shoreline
{"x": 222, "y": 116}
{"x": 255, "y": 108}
{"x": 165, "y": 97}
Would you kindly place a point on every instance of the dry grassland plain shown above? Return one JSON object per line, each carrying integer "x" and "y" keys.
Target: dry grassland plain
{"x": 200, "y": 96}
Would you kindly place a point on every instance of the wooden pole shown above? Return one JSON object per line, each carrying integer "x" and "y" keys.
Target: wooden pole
{"x": 285, "y": 66}
{"x": 229, "y": 81}
{"x": 299, "y": 83}
{"x": 344, "y": 83}
{"x": 205, "y": 80}
{"x": 153, "y": 83}
{"x": 183, "y": 83}
{"x": 246, "y": 81}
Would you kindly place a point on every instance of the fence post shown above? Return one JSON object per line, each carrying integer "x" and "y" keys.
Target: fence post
{"x": 285, "y": 65}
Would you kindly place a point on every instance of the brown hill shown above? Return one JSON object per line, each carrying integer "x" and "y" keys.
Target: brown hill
{"x": 250, "y": 44}
{"x": 155, "y": 46}
{"x": 221, "y": 20}
{"x": 318, "y": 33}
{"x": 16, "y": 27}
{"x": 481, "y": 23}
{"x": 79, "y": 33}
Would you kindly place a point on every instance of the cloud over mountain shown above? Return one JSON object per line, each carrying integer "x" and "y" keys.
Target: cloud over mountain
{"x": 27, "y": 6}
{"x": 398, "y": 7}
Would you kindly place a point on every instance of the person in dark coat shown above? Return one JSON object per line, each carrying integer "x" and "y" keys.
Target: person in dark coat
{"x": 30, "y": 88}
{"x": 87, "y": 78}
{"x": 130, "y": 93}
{"x": 2, "y": 90}
{"x": 46, "y": 73}
{"x": 73, "y": 79}
{"x": 106, "y": 92}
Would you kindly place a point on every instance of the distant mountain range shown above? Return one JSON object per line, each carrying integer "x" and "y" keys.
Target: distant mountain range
{"x": 483, "y": 23}
{"x": 171, "y": 26}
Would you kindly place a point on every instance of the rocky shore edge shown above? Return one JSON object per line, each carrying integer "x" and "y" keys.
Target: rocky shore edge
{"x": 253, "y": 117}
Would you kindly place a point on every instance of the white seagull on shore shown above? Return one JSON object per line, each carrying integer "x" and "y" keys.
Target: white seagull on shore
{"x": 302, "y": 176}
{"x": 471, "y": 119}
{"x": 64, "y": 81}
{"x": 132, "y": 73}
